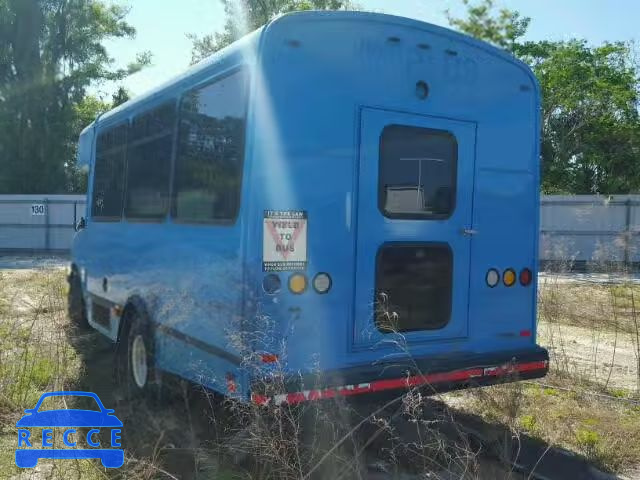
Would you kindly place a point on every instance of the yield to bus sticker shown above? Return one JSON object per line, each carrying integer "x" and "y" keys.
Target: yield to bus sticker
{"x": 284, "y": 240}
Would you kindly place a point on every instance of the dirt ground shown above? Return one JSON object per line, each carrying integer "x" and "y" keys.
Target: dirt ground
{"x": 604, "y": 357}
{"x": 184, "y": 439}
{"x": 591, "y": 327}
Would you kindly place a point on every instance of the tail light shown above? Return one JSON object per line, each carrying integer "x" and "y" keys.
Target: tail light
{"x": 269, "y": 358}
{"x": 525, "y": 277}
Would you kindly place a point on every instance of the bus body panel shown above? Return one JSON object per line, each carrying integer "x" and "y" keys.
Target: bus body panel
{"x": 323, "y": 88}
{"x": 319, "y": 74}
{"x": 188, "y": 277}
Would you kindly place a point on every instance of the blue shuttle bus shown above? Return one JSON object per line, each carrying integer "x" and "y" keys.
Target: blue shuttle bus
{"x": 339, "y": 203}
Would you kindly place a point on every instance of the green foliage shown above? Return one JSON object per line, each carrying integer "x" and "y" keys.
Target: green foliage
{"x": 50, "y": 52}
{"x": 619, "y": 392}
{"x": 120, "y": 96}
{"x": 588, "y": 441}
{"x": 503, "y": 29}
{"x": 244, "y": 16}
{"x": 529, "y": 423}
{"x": 590, "y": 123}
{"x": 590, "y": 120}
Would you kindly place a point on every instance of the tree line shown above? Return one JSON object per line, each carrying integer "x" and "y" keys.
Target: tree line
{"x": 52, "y": 51}
{"x": 590, "y": 101}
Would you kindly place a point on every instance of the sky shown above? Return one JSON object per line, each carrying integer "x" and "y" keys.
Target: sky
{"x": 162, "y": 26}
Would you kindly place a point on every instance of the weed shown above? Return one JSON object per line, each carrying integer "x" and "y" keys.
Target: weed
{"x": 588, "y": 442}
{"x": 529, "y": 423}
{"x": 619, "y": 392}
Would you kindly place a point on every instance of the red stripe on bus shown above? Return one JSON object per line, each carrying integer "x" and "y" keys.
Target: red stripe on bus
{"x": 294, "y": 398}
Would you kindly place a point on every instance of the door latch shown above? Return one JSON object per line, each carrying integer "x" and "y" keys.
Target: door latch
{"x": 468, "y": 232}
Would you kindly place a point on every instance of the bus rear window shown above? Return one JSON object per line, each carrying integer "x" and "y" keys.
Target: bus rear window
{"x": 417, "y": 172}
{"x": 413, "y": 287}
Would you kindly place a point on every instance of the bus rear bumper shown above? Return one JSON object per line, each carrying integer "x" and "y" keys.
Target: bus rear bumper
{"x": 430, "y": 375}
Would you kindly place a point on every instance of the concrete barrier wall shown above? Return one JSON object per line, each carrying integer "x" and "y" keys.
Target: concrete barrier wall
{"x": 39, "y": 223}
{"x": 590, "y": 229}
{"x": 574, "y": 229}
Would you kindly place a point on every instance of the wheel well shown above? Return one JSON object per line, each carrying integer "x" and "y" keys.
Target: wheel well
{"x": 134, "y": 306}
{"x": 73, "y": 271}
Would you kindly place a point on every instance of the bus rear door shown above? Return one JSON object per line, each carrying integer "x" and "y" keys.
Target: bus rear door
{"x": 414, "y": 231}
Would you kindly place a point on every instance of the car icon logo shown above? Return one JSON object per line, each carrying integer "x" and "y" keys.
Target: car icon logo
{"x": 94, "y": 422}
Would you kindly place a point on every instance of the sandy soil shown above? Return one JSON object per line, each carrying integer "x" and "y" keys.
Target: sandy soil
{"x": 598, "y": 355}
{"x": 598, "y": 278}
{"x": 33, "y": 262}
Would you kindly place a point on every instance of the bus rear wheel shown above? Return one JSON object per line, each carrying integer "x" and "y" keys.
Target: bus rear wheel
{"x": 137, "y": 374}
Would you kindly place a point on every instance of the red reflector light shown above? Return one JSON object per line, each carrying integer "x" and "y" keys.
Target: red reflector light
{"x": 525, "y": 277}
{"x": 232, "y": 387}
{"x": 269, "y": 358}
{"x": 525, "y": 333}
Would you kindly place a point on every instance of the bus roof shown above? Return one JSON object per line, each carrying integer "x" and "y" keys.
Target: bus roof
{"x": 237, "y": 49}
{"x": 246, "y": 50}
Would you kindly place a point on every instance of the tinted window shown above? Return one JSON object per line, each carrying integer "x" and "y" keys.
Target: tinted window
{"x": 210, "y": 151}
{"x": 413, "y": 287}
{"x": 417, "y": 172}
{"x": 108, "y": 182}
{"x": 149, "y": 163}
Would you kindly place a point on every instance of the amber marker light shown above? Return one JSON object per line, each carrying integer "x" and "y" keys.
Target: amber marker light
{"x": 509, "y": 277}
{"x": 297, "y": 283}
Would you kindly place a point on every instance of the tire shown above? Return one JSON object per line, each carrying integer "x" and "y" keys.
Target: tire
{"x": 76, "y": 305}
{"x": 136, "y": 371}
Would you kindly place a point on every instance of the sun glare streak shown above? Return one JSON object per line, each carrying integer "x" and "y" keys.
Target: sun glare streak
{"x": 274, "y": 171}
{"x": 277, "y": 180}
{"x": 238, "y": 14}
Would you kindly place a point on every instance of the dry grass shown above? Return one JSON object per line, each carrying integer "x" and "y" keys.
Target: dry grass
{"x": 591, "y": 305}
{"x": 35, "y": 357}
{"x": 590, "y": 402}
{"x": 194, "y": 434}
{"x": 604, "y": 346}
{"x": 199, "y": 436}
{"x": 604, "y": 430}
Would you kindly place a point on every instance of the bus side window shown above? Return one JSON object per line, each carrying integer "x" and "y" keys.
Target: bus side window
{"x": 108, "y": 179}
{"x": 149, "y": 163}
{"x": 210, "y": 151}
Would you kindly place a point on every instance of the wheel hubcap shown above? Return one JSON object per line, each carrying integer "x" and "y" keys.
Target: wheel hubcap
{"x": 139, "y": 361}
